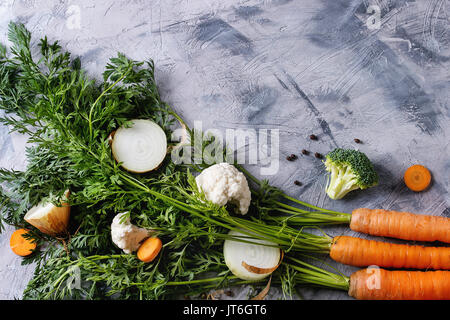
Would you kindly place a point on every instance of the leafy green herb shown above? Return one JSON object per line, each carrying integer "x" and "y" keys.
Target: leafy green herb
{"x": 68, "y": 118}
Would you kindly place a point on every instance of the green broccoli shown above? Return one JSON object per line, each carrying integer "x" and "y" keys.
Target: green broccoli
{"x": 350, "y": 170}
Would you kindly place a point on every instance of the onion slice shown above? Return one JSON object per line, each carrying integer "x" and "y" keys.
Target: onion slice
{"x": 250, "y": 261}
{"x": 141, "y": 147}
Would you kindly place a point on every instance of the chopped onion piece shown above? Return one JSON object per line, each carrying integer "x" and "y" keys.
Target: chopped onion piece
{"x": 250, "y": 261}
{"x": 49, "y": 218}
{"x": 141, "y": 147}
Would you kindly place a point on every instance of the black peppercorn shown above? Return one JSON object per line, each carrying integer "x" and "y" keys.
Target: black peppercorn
{"x": 313, "y": 137}
{"x": 292, "y": 157}
{"x": 318, "y": 155}
{"x": 298, "y": 183}
{"x": 357, "y": 140}
{"x": 305, "y": 152}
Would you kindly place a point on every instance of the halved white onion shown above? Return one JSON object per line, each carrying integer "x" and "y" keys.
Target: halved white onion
{"x": 141, "y": 147}
{"x": 249, "y": 261}
{"x": 49, "y": 218}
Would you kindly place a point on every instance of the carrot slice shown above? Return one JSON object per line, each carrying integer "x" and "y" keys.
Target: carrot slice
{"x": 417, "y": 178}
{"x": 19, "y": 245}
{"x": 149, "y": 249}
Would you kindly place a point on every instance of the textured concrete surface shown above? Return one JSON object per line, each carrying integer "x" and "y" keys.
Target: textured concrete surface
{"x": 299, "y": 66}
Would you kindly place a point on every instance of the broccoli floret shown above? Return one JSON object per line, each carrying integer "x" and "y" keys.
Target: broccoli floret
{"x": 350, "y": 170}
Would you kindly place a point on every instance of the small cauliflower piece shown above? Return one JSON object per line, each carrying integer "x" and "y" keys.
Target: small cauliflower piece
{"x": 126, "y": 235}
{"x": 223, "y": 183}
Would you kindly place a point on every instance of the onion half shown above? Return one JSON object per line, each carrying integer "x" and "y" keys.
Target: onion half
{"x": 141, "y": 147}
{"x": 249, "y": 261}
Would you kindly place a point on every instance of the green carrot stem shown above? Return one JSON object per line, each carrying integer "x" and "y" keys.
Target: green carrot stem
{"x": 309, "y": 274}
{"x": 309, "y": 219}
{"x": 256, "y": 230}
{"x": 305, "y": 204}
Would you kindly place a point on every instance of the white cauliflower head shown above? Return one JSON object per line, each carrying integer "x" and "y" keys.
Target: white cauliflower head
{"x": 126, "y": 235}
{"x": 223, "y": 183}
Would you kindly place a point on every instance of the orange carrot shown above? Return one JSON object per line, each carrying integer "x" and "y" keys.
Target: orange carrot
{"x": 417, "y": 178}
{"x": 401, "y": 225}
{"x": 149, "y": 249}
{"x": 361, "y": 253}
{"x": 379, "y": 284}
{"x": 19, "y": 245}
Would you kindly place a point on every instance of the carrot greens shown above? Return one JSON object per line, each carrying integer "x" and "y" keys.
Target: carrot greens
{"x": 68, "y": 118}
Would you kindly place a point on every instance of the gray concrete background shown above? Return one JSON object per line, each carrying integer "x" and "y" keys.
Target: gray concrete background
{"x": 299, "y": 66}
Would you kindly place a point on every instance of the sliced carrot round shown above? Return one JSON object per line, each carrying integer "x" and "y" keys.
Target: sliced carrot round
{"x": 417, "y": 178}
{"x": 149, "y": 249}
{"x": 21, "y": 246}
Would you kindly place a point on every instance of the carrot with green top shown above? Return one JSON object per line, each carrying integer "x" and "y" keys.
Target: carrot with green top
{"x": 361, "y": 252}
{"x": 375, "y": 283}
{"x": 377, "y": 222}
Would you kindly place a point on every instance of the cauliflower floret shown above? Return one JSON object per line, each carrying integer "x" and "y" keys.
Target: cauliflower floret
{"x": 223, "y": 183}
{"x": 126, "y": 235}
